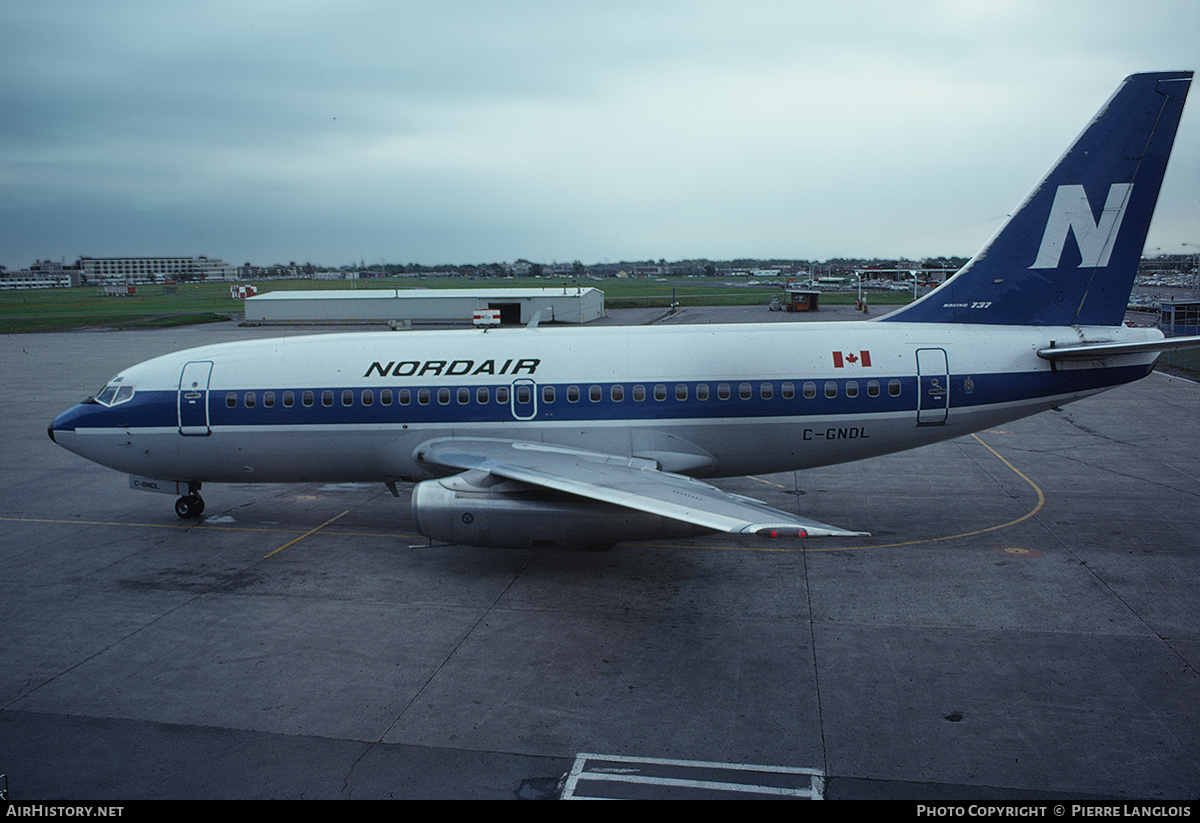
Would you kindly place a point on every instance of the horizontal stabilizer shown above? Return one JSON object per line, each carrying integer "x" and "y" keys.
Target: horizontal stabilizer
{"x": 1091, "y": 351}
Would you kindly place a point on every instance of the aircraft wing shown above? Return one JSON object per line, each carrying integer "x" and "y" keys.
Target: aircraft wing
{"x": 632, "y": 482}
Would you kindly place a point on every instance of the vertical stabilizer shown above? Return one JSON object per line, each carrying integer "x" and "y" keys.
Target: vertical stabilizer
{"x": 1069, "y": 254}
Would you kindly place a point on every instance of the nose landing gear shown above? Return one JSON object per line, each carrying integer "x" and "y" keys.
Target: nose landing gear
{"x": 189, "y": 506}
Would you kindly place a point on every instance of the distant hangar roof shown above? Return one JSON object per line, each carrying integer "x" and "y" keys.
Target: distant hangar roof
{"x": 407, "y": 307}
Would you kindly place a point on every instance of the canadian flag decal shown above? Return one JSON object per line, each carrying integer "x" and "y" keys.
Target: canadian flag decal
{"x": 841, "y": 360}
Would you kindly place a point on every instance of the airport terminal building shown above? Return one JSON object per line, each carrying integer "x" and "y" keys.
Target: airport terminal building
{"x": 137, "y": 270}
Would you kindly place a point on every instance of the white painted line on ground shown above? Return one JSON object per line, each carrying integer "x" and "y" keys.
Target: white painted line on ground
{"x": 609, "y": 777}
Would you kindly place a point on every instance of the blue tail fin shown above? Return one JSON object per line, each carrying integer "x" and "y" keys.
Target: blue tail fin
{"x": 1069, "y": 254}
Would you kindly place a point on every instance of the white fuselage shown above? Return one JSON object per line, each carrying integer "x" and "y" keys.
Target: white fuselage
{"x": 721, "y": 400}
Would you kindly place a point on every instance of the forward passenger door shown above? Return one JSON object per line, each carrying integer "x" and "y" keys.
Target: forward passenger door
{"x": 193, "y": 398}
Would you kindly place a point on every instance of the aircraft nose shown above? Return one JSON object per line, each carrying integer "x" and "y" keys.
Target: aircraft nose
{"x": 62, "y": 428}
{"x": 64, "y": 437}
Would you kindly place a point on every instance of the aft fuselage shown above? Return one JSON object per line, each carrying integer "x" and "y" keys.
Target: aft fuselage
{"x": 722, "y": 400}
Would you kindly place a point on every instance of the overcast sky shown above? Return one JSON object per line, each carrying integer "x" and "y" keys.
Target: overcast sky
{"x": 488, "y": 131}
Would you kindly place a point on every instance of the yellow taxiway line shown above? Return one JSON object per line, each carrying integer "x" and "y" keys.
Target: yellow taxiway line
{"x": 1041, "y": 502}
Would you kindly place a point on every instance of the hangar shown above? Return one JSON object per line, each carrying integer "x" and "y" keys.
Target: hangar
{"x": 401, "y": 308}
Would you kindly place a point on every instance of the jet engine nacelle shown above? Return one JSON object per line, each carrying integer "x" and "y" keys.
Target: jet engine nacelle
{"x": 478, "y": 509}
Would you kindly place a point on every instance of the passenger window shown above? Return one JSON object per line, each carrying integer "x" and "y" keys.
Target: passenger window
{"x": 502, "y": 395}
{"x": 231, "y": 400}
{"x": 423, "y": 396}
{"x": 639, "y": 393}
{"x": 595, "y": 394}
{"x": 681, "y": 391}
{"x": 547, "y": 394}
{"x": 326, "y": 398}
{"x": 269, "y": 399}
{"x": 347, "y": 397}
{"x": 894, "y": 388}
{"x": 617, "y": 393}
{"x": 405, "y": 397}
{"x": 744, "y": 391}
{"x": 464, "y": 396}
{"x": 572, "y": 394}
{"x": 872, "y": 388}
{"x": 722, "y": 391}
{"x": 251, "y": 400}
{"x": 766, "y": 391}
{"x": 368, "y": 397}
{"x": 385, "y": 397}
{"x": 482, "y": 396}
{"x": 810, "y": 391}
{"x": 289, "y": 399}
{"x": 307, "y": 398}
{"x": 831, "y": 389}
{"x": 787, "y": 391}
{"x": 660, "y": 392}
{"x": 702, "y": 391}
{"x": 443, "y": 397}
{"x": 852, "y": 388}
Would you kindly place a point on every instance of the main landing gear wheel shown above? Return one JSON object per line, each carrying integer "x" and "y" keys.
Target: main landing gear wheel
{"x": 189, "y": 506}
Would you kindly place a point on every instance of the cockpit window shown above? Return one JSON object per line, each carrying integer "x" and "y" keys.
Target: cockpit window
{"x": 114, "y": 393}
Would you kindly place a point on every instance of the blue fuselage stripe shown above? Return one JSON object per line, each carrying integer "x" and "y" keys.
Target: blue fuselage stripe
{"x": 157, "y": 409}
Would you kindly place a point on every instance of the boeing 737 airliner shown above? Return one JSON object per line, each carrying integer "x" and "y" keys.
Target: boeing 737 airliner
{"x": 520, "y": 437}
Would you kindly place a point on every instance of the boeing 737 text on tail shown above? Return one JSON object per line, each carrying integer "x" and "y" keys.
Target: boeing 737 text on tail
{"x": 520, "y": 437}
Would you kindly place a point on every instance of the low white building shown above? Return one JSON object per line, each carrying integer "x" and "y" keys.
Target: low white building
{"x": 409, "y": 307}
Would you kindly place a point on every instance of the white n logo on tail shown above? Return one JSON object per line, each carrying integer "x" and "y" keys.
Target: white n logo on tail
{"x": 1072, "y": 212}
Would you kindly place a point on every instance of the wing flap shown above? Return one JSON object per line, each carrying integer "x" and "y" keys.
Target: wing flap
{"x": 632, "y": 482}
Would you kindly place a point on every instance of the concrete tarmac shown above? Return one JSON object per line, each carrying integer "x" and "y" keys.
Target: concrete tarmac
{"x": 1024, "y": 623}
